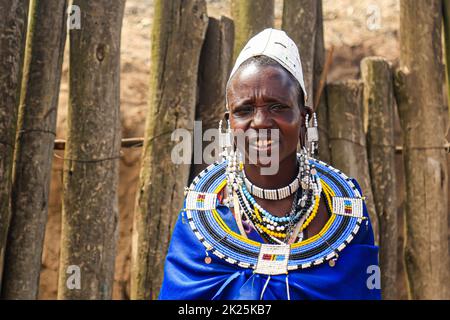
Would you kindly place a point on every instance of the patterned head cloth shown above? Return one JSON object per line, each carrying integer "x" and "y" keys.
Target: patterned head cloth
{"x": 277, "y": 45}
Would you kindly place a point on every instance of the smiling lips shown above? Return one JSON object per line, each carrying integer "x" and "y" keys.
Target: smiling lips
{"x": 262, "y": 144}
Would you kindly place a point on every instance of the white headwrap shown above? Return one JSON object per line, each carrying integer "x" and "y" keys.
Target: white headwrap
{"x": 277, "y": 45}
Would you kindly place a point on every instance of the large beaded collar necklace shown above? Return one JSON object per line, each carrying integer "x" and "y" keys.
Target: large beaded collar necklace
{"x": 201, "y": 211}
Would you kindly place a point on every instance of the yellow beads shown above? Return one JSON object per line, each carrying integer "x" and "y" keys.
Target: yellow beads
{"x": 313, "y": 213}
{"x": 257, "y": 214}
{"x": 273, "y": 233}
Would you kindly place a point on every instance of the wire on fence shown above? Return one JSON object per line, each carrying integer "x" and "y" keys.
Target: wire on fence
{"x": 138, "y": 142}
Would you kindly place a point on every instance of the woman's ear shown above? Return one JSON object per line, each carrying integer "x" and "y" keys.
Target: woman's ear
{"x": 302, "y": 131}
{"x": 302, "y": 136}
{"x": 303, "y": 112}
{"x": 308, "y": 110}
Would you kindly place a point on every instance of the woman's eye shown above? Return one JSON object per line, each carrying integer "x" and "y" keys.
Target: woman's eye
{"x": 278, "y": 107}
{"x": 242, "y": 111}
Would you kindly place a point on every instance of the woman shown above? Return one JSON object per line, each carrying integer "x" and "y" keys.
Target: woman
{"x": 299, "y": 231}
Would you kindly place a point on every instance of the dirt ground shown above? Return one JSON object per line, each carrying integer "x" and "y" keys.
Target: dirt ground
{"x": 352, "y": 27}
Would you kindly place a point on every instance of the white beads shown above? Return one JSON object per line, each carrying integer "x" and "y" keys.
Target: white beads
{"x": 200, "y": 201}
{"x": 273, "y": 194}
{"x": 348, "y": 206}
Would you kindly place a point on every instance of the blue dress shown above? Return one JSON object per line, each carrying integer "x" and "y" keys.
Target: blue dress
{"x": 339, "y": 263}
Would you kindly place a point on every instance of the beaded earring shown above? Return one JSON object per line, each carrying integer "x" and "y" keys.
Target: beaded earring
{"x": 225, "y": 139}
{"x": 312, "y": 136}
{"x": 233, "y": 158}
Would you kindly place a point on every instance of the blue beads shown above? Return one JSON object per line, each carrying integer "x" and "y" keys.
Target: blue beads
{"x": 263, "y": 211}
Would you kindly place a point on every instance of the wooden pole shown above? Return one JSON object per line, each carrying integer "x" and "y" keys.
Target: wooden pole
{"x": 379, "y": 102}
{"x": 321, "y": 99}
{"x": 303, "y": 22}
{"x": 250, "y": 17}
{"x": 91, "y": 166}
{"x": 347, "y": 138}
{"x": 300, "y": 23}
{"x": 424, "y": 121}
{"x": 446, "y": 16}
{"x": 178, "y": 32}
{"x": 13, "y": 29}
{"x": 214, "y": 69}
{"x": 34, "y": 149}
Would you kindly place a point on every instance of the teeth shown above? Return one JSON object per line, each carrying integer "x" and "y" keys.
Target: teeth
{"x": 263, "y": 143}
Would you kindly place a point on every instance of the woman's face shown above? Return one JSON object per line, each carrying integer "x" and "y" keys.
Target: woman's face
{"x": 266, "y": 97}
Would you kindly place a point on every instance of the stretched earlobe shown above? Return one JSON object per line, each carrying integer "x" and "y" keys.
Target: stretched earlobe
{"x": 302, "y": 136}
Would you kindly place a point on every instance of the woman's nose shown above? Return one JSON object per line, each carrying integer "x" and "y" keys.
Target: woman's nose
{"x": 261, "y": 119}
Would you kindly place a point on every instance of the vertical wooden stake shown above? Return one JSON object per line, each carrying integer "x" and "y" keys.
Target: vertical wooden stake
{"x": 13, "y": 30}
{"x": 250, "y": 18}
{"x": 348, "y": 141}
{"x": 446, "y": 16}
{"x": 214, "y": 69}
{"x": 179, "y": 29}
{"x": 34, "y": 149}
{"x": 379, "y": 103}
{"x": 91, "y": 166}
{"x": 303, "y": 22}
{"x": 322, "y": 104}
{"x": 424, "y": 121}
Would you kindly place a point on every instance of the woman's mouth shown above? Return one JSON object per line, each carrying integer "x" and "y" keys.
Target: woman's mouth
{"x": 262, "y": 144}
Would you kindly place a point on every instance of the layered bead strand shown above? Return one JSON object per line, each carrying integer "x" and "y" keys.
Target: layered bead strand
{"x": 272, "y": 228}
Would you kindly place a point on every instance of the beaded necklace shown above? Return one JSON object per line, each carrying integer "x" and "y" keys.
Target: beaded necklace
{"x": 202, "y": 213}
{"x": 274, "y": 229}
{"x": 272, "y": 194}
